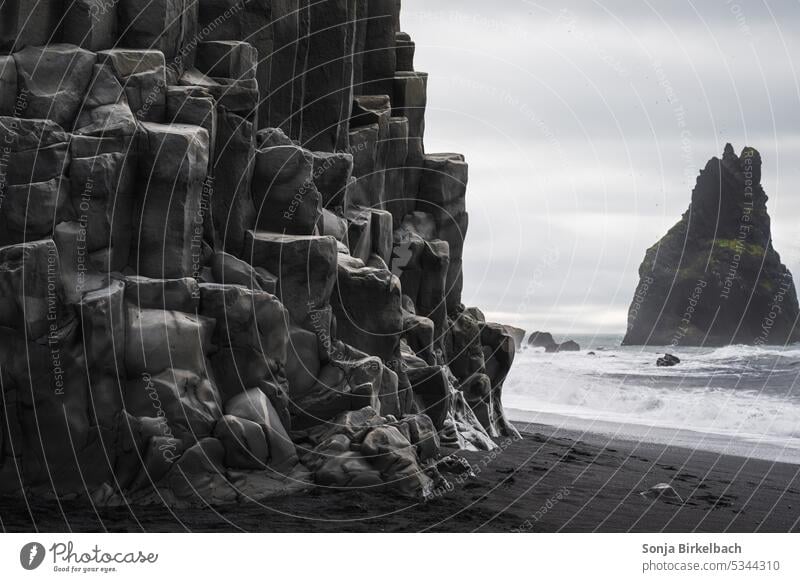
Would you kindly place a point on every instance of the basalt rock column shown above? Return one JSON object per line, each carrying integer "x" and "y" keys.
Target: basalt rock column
{"x": 169, "y": 223}
{"x": 328, "y": 78}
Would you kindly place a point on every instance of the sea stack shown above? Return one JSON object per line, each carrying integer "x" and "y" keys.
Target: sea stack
{"x": 715, "y": 278}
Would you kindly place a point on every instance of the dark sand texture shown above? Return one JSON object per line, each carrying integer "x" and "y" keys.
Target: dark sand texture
{"x": 546, "y": 482}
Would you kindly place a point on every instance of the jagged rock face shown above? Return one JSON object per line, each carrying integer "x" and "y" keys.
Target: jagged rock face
{"x": 225, "y": 254}
{"x": 715, "y": 278}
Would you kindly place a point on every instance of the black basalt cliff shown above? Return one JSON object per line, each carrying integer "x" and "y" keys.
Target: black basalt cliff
{"x": 228, "y": 267}
{"x": 715, "y": 278}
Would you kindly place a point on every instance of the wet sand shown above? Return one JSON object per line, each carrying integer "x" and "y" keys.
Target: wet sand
{"x": 550, "y": 481}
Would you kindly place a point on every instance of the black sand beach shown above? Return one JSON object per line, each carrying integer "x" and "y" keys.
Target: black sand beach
{"x": 547, "y": 482}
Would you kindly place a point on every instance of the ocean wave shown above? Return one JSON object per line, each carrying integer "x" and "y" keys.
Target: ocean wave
{"x": 736, "y": 352}
{"x": 629, "y": 388}
{"x": 733, "y": 361}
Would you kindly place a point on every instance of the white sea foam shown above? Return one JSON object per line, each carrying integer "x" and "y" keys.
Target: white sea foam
{"x": 748, "y": 392}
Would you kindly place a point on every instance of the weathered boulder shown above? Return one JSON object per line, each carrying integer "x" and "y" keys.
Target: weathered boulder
{"x": 462, "y": 428}
{"x": 190, "y": 403}
{"x": 37, "y": 150}
{"x": 157, "y": 340}
{"x": 191, "y": 105}
{"x": 419, "y": 431}
{"x": 54, "y": 79}
{"x": 143, "y": 75}
{"x": 144, "y": 452}
{"x": 254, "y": 406}
{"x": 285, "y": 196}
{"x": 390, "y": 452}
{"x": 435, "y": 395}
{"x": 167, "y": 294}
{"x": 345, "y": 469}
{"x": 31, "y": 290}
{"x": 332, "y": 173}
{"x": 333, "y": 225}
{"x": 244, "y": 441}
{"x": 368, "y": 308}
{"x": 104, "y": 111}
{"x": 350, "y": 381}
{"x": 198, "y": 477}
{"x": 246, "y": 318}
{"x": 361, "y": 449}
{"x": 227, "y": 269}
{"x": 353, "y": 424}
{"x": 270, "y": 137}
{"x": 30, "y": 211}
{"x": 305, "y": 267}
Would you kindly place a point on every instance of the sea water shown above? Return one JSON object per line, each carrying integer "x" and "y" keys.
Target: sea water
{"x": 741, "y": 400}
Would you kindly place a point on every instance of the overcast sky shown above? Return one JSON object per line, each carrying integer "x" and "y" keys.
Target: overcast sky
{"x": 585, "y": 124}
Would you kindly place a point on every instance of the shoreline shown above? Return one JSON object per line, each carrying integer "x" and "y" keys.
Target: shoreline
{"x": 551, "y": 480}
{"x": 598, "y": 431}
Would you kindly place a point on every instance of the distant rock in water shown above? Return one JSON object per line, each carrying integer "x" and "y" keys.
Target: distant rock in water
{"x": 542, "y": 339}
{"x": 715, "y": 278}
{"x": 568, "y": 346}
{"x": 667, "y": 361}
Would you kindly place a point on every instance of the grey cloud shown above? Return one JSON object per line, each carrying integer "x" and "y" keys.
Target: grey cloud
{"x": 576, "y": 139}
